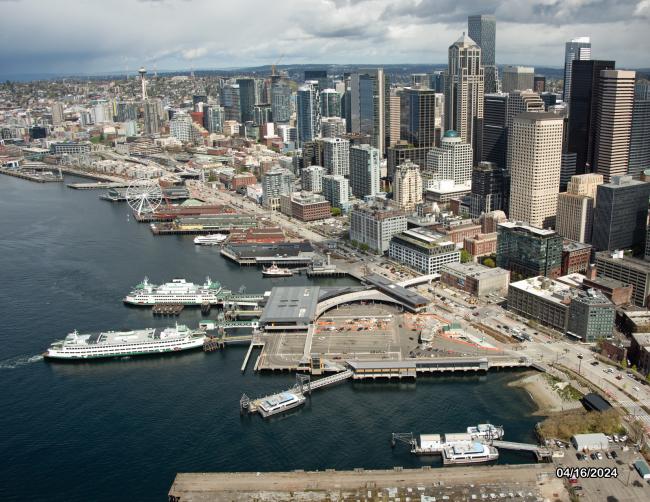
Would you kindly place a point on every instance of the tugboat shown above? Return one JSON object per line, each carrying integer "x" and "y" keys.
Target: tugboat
{"x": 275, "y": 271}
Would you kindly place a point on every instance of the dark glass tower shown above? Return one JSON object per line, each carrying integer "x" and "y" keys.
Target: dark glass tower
{"x": 246, "y": 98}
{"x": 483, "y": 30}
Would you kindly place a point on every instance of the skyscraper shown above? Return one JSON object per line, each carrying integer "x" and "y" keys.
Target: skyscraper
{"x": 57, "y": 114}
{"x": 319, "y": 76}
{"x": 308, "y": 111}
{"x": 576, "y": 49}
{"x": 332, "y": 127}
{"x": 585, "y": 94}
{"x": 517, "y": 78}
{"x": 312, "y": 178}
{"x": 536, "y": 144}
{"x": 281, "y": 101}
{"x": 394, "y": 120}
{"x": 520, "y": 102}
{"x": 487, "y": 189}
{"x": 365, "y": 170}
{"x": 421, "y": 113}
{"x": 336, "y": 156}
{"x": 495, "y": 129}
{"x": 247, "y": 98}
{"x": 230, "y": 102}
{"x": 407, "y": 185}
{"x": 482, "y": 29}
{"x": 213, "y": 118}
{"x": 464, "y": 92}
{"x": 614, "y": 123}
{"x": 370, "y": 106}
{"x": 151, "y": 117}
{"x": 451, "y": 161}
{"x": 336, "y": 190}
{"x": 575, "y": 207}
{"x": 640, "y": 135}
{"x": 330, "y": 103}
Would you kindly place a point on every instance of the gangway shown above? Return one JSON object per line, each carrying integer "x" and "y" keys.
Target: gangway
{"x": 540, "y": 452}
{"x": 330, "y": 380}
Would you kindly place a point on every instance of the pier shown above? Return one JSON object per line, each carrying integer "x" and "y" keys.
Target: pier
{"x": 35, "y": 177}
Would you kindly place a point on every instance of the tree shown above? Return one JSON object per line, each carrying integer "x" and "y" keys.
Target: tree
{"x": 624, "y": 362}
{"x": 465, "y": 256}
{"x": 363, "y": 246}
{"x": 335, "y": 211}
{"x": 489, "y": 262}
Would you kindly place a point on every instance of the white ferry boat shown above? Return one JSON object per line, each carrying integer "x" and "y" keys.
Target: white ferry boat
{"x": 178, "y": 291}
{"x": 279, "y": 403}
{"x": 275, "y": 271}
{"x": 486, "y": 431}
{"x": 210, "y": 240}
{"x": 125, "y": 343}
{"x": 468, "y": 453}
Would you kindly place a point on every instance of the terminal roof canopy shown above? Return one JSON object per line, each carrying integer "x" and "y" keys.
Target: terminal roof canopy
{"x": 296, "y": 304}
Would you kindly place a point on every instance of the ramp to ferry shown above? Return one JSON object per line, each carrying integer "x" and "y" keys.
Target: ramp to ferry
{"x": 540, "y": 452}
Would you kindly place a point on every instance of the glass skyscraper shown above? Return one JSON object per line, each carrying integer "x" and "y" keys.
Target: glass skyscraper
{"x": 483, "y": 30}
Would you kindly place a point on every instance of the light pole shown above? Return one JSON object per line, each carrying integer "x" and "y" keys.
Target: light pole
{"x": 579, "y": 363}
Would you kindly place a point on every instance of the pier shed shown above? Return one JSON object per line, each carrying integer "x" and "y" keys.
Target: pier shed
{"x": 290, "y": 308}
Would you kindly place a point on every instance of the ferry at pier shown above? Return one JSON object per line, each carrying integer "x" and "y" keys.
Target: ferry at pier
{"x": 280, "y": 403}
{"x": 275, "y": 271}
{"x": 469, "y": 453}
{"x": 125, "y": 343}
{"x": 210, "y": 240}
{"x": 486, "y": 431}
{"x": 179, "y": 291}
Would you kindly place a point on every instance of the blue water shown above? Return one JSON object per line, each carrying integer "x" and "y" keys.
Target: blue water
{"x": 124, "y": 428}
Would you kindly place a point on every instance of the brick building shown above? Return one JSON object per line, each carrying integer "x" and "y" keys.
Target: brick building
{"x": 575, "y": 257}
{"x": 481, "y": 244}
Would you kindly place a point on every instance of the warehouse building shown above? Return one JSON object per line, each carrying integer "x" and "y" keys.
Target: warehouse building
{"x": 475, "y": 279}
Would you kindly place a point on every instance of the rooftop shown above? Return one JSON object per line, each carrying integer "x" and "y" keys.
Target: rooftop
{"x": 295, "y": 304}
{"x": 424, "y": 237}
{"x": 568, "y": 245}
{"x": 524, "y": 227}
{"x": 407, "y": 296}
{"x": 618, "y": 256}
{"x": 642, "y": 339}
{"x": 544, "y": 287}
{"x": 474, "y": 270}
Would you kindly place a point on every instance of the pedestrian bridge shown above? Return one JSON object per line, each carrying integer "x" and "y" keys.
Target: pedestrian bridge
{"x": 541, "y": 452}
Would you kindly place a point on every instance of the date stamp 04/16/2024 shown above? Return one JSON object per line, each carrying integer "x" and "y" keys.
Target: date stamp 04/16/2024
{"x": 586, "y": 472}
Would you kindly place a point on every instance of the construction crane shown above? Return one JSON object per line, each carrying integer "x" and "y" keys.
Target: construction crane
{"x": 275, "y": 64}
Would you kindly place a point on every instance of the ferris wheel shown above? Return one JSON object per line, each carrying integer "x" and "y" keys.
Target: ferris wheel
{"x": 144, "y": 197}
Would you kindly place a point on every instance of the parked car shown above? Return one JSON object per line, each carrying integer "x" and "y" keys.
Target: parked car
{"x": 614, "y": 454}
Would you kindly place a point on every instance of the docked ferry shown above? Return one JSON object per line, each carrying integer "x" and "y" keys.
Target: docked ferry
{"x": 125, "y": 343}
{"x": 275, "y": 271}
{"x": 486, "y": 431}
{"x": 469, "y": 453}
{"x": 210, "y": 240}
{"x": 179, "y": 291}
{"x": 279, "y": 403}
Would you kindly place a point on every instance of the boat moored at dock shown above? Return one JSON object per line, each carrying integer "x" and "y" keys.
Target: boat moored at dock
{"x": 472, "y": 452}
{"x": 275, "y": 271}
{"x": 279, "y": 403}
{"x": 179, "y": 291}
{"x": 210, "y": 240}
{"x": 485, "y": 431}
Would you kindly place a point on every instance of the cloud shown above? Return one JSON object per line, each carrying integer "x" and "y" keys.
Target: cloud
{"x": 194, "y": 53}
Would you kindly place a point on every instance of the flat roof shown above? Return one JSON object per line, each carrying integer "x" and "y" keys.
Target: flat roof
{"x": 474, "y": 270}
{"x": 408, "y": 297}
{"x": 270, "y": 250}
{"x": 626, "y": 261}
{"x": 525, "y": 227}
{"x": 543, "y": 287}
{"x": 291, "y": 304}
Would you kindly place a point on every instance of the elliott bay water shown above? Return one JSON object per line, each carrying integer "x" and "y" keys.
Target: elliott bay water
{"x": 123, "y": 428}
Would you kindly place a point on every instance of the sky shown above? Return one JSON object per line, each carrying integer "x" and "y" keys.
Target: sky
{"x": 96, "y": 36}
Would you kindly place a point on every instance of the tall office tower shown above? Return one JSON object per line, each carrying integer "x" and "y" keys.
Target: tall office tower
{"x": 213, "y": 118}
{"x": 640, "y": 135}
{"x": 394, "y": 120}
{"x": 332, "y": 127}
{"x": 575, "y": 207}
{"x": 180, "y": 127}
{"x": 517, "y": 78}
{"x": 464, "y": 92}
{"x": 370, "y": 106}
{"x": 539, "y": 83}
{"x": 336, "y": 189}
{"x": 260, "y": 91}
{"x": 421, "y": 116}
{"x": 126, "y": 111}
{"x": 536, "y": 144}
{"x": 585, "y": 94}
{"x": 451, "y": 161}
{"x": 518, "y": 103}
{"x": 276, "y": 182}
{"x": 262, "y": 114}
{"x": 281, "y": 101}
{"x": 312, "y": 178}
{"x": 420, "y": 80}
{"x": 487, "y": 189}
{"x": 365, "y": 170}
{"x": 495, "y": 129}
{"x": 483, "y": 30}
{"x": 577, "y": 49}
{"x": 330, "y": 103}
{"x": 312, "y": 153}
{"x": 568, "y": 168}
{"x": 402, "y": 152}
{"x": 308, "y": 112}
{"x": 57, "y": 114}
{"x": 151, "y": 117}
{"x": 346, "y": 109}
{"x": 438, "y": 81}
{"x": 247, "y": 98}
{"x": 319, "y": 76}
{"x": 407, "y": 186}
{"x": 230, "y": 102}
{"x": 621, "y": 214}
{"x": 336, "y": 156}
{"x": 614, "y": 123}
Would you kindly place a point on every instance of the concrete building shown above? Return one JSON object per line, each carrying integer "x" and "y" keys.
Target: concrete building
{"x": 487, "y": 189}
{"x": 577, "y": 48}
{"x": 640, "y": 133}
{"x": 336, "y": 190}
{"x": 528, "y": 251}
{"x": 614, "y": 123}
{"x": 451, "y": 161}
{"x": 401, "y": 152}
{"x": 407, "y": 186}
{"x": 290, "y": 308}
{"x": 312, "y": 179}
{"x": 57, "y": 114}
{"x": 336, "y": 156}
{"x": 213, "y": 117}
{"x": 535, "y": 171}
{"x": 481, "y": 245}
{"x": 394, "y": 120}
{"x": 621, "y": 214}
{"x": 575, "y": 207}
{"x": 627, "y": 270}
{"x": 375, "y": 225}
{"x": 275, "y": 182}
{"x": 423, "y": 250}
{"x": 332, "y": 127}
{"x": 365, "y": 170}
{"x": 517, "y": 78}
{"x": 330, "y": 103}
{"x": 464, "y": 89}
{"x": 308, "y": 112}
{"x": 475, "y": 279}
{"x": 281, "y": 101}
{"x": 151, "y": 117}
{"x": 482, "y": 29}
{"x": 490, "y": 221}
{"x": 180, "y": 127}
{"x": 591, "y": 316}
{"x": 518, "y": 103}
{"x": 639, "y": 352}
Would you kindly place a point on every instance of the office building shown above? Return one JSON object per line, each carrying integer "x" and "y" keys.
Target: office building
{"x": 275, "y": 183}
{"x": 438, "y": 81}
{"x": 421, "y": 113}
{"x": 370, "y": 106}
{"x": 640, "y": 133}
{"x": 464, "y": 92}
{"x": 423, "y": 250}
{"x": 528, "y": 251}
{"x": 336, "y": 156}
{"x": 475, "y": 279}
{"x": 180, "y": 127}
{"x": 262, "y": 114}
{"x": 308, "y": 112}
{"x": 394, "y": 120}
{"x": 401, "y": 152}
{"x": 330, "y": 103}
{"x": 536, "y": 145}
{"x": 125, "y": 111}
{"x": 57, "y": 114}
{"x": 375, "y": 225}
{"x": 621, "y": 214}
{"x": 312, "y": 178}
{"x": 247, "y": 98}
{"x": 451, "y": 161}
{"x": 568, "y": 168}
{"x": 336, "y": 189}
{"x": 481, "y": 244}
{"x": 517, "y": 78}
{"x": 308, "y": 206}
{"x": 230, "y": 102}
{"x": 365, "y": 170}
{"x": 318, "y": 76}
{"x": 614, "y": 123}
{"x": 575, "y": 257}
{"x": 518, "y": 103}
{"x": 576, "y": 49}
{"x": 585, "y": 95}
{"x": 332, "y": 127}
{"x": 420, "y": 80}
{"x": 151, "y": 117}
{"x": 539, "y": 84}
{"x": 575, "y": 207}
{"x": 407, "y": 186}
{"x": 495, "y": 129}
{"x": 487, "y": 189}
{"x": 482, "y": 29}
{"x": 281, "y": 101}
{"x": 490, "y": 221}
{"x": 213, "y": 118}
{"x": 627, "y": 270}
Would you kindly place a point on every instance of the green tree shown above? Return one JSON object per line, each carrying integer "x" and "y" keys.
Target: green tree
{"x": 465, "y": 256}
{"x": 363, "y": 246}
{"x": 489, "y": 262}
{"x": 624, "y": 362}
{"x": 335, "y": 211}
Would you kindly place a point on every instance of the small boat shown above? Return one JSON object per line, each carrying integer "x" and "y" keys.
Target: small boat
{"x": 210, "y": 240}
{"x": 275, "y": 271}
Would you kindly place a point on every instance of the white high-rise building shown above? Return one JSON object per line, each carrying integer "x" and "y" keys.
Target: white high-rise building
{"x": 451, "y": 161}
{"x": 180, "y": 127}
{"x": 57, "y": 114}
{"x": 580, "y": 49}
{"x": 332, "y": 127}
{"x": 365, "y": 170}
{"x": 336, "y": 190}
{"x": 312, "y": 178}
{"x": 575, "y": 207}
{"x": 535, "y": 169}
{"x": 407, "y": 185}
{"x": 275, "y": 183}
{"x": 336, "y": 156}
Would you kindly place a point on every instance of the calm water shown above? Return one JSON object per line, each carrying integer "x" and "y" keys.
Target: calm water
{"x": 124, "y": 428}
